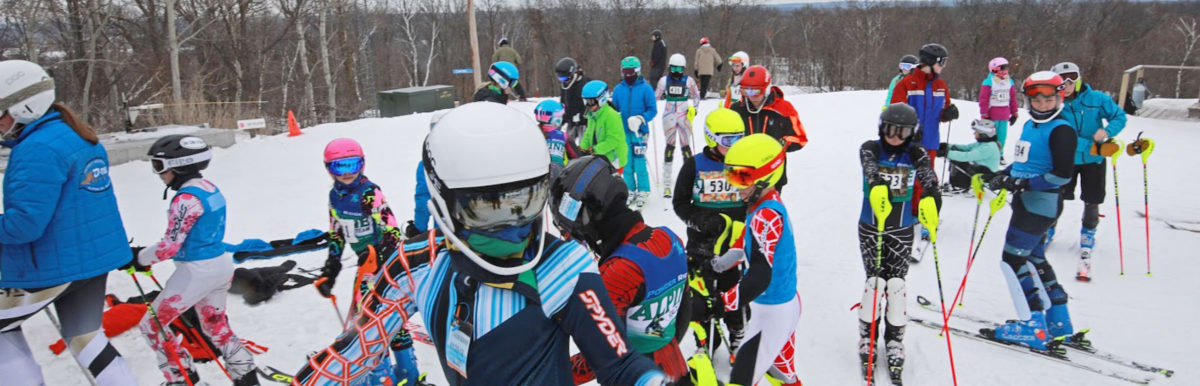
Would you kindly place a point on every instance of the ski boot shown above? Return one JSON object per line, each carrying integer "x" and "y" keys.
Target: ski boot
{"x": 668, "y": 180}
{"x": 193, "y": 378}
{"x": 895, "y": 358}
{"x": 1030, "y": 332}
{"x": 247, "y": 379}
{"x": 1058, "y": 323}
{"x": 864, "y": 351}
{"x": 950, "y": 190}
{"x": 1087, "y": 241}
{"x": 735, "y": 342}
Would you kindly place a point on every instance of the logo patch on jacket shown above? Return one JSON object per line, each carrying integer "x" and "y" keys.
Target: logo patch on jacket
{"x": 95, "y": 176}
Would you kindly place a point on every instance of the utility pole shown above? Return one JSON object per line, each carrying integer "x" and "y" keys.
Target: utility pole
{"x": 474, "y": 43}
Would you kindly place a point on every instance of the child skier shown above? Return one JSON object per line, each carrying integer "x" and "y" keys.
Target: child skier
{"x": 677, "y": 88}
{"x": 644, "y": 268}
{"x": 502, "y": 78}
{"x": 998, "y": 99}
{"x": 738, "y": 63}
{"x": 907, "y": 64}
{"x": 705, "y": 201}
{"x": 754, "y": 165}
{"x": 605, "y": 134}
{"x": 896, "y": 162}
{"x": 359, "y": 216}
{"x": 634, "y": 98}
{"x": 203, "y": 270}
{"x": 1043, "y": 163}
{"x": 549, "y": 115}
{"x": 504, "y": 290}
{"x": 983, "y": 156}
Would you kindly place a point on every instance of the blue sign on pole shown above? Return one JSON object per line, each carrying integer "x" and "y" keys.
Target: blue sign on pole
{"x": 461, "y": 71}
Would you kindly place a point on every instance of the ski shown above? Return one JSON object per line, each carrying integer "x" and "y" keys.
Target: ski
{"x": 1048, "y": 354}
{"x": 919, "y": 252}
{"x": 274, "y": 375}
{"x": 1087, "y": 350}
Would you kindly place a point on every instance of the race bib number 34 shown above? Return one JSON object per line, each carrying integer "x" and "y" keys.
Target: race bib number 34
{"x": 1021, "y": 152}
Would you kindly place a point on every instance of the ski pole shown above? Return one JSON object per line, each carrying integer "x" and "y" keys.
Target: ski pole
{"x": 333, "y": 299}
{"x": 168, "y": 343}
{"x": 977, "y": 189}
{"x": 652, "y": 164}
{"x": 882, "y": 206}
{"x": 929, "y": 218}
{"x": 994, "y": 207}
{"x": 1144, "y": 146}
{"x": 207, "y": 350}
{"x": 1117, "y": 202}
{"x": 946, "y": 161}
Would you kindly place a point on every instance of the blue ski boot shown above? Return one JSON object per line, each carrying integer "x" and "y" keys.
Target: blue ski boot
{"x": 381, "y": 375}
{"x": 1030, "y": 332}
{"x": 1058, "y": 323}
{"x": 405, "y": 371}
{"x": 1087, "y": 240}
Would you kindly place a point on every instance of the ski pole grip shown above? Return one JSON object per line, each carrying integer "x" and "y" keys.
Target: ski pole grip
{"x": 1114, "y": 155}
{"x": 880, "y": 204}
{"x": 929, "y": 216}
{"x": 977, "y": 186}
{"x": 998, "y": 202}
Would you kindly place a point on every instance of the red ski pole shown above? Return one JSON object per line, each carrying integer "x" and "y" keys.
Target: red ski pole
{"x": 168, "y": 344}
{"x": 994, "y": 207}
{"x": 977, "y": 190}
{"x": 207, "y": 350}
{"x": 881, "y": 205}
{"x": 1144, "y": 146}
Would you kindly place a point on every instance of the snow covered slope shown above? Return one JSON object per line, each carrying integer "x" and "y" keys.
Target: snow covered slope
{"x": 277, "y": 186}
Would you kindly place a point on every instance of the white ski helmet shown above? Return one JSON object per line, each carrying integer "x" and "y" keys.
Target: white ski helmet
{"x": 677, "y": 60}
{"x": 1066, "y": 68}
{"x": 487, "y": 168}
{"x": 985, "y": 127}
{"x": 740, "y": 57}
{"x": 27, "y": 91}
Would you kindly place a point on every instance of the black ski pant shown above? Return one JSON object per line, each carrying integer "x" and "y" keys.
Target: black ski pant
{"x": 704, "y": 79}
{"x": 961, "y": 172}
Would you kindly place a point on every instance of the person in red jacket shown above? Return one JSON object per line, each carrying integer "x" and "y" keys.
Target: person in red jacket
{"x": 765, "y": 111}
{"x": 644, "y": 268}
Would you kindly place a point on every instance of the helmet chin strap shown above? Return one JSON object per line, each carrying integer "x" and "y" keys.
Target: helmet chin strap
{"x": 475, "y": 258}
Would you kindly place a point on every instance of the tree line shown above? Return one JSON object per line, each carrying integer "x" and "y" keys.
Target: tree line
{"x": 221, "y": 60}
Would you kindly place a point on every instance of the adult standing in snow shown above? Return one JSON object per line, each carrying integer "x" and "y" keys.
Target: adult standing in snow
{"x": 60, "y": 232}
{"x": 502, "y": 77}
{"x": 634, "y": 98}
{"x": 658, "y": 56}
{"x": 203, "y": 269}
{"x": 1087, "y": 110}
{"x": 738, "y": 63}
{"x": 907, "y": 64}
{"x": 998, "y": 99}
{"x": 644, "y": 268}
{"x": 708, "y": 62}
{"x": 505, "y": 53}
{"x": 1139, "y": 94}
{"x": 507, "y": 292}
{"x": 766, "y": 111}
{"x": 1042, "y": 163}
{"x": 571, "y": 80}
{"x": 897, "y": 164}
{"x": 677, "y": 89}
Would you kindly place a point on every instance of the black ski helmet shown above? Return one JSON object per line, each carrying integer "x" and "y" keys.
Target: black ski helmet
{"x": 503, "y": 41}
{"x": 898, "y": 114}
{"x": 566, "y": 67}
{"x": 656, "y": 34}
{"x": 581, "y": 196}
{"x": 932, "y": 53}
{"x": 185, "y": 154}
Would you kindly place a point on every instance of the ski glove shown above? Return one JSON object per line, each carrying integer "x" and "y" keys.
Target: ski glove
{"x": 729, "y": 259}
{"x": 950, "y": 114}
{"x": 707, "y": 224}
{"x": 1009, "y": 183}
{"x": 1012, "y": 120}
{"x": 410, "y": 230}
{"x": 942, "y": 149}
{"x": 635, "y": 125}
{"x": 133, "y": 263}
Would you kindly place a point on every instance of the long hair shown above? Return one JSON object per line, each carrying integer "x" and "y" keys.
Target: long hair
{"x": 80, "y": 126}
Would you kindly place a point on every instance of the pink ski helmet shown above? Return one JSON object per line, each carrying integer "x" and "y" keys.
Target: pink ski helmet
{"x": 342, "y": 148}
{"x": 998, "y": 66}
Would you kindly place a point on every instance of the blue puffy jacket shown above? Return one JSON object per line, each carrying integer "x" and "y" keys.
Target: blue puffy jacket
{"x": 1085, "y": 113}
{"x": 60, "y": 220}
{"x": 421, "y": 200}
{"x": 637, "y": 99}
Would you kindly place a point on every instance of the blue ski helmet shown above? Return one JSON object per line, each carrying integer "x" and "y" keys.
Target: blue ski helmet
{"x": 505, "y": 74}
{"x": 549, "y": 111}
{"x": 597, "y": 90}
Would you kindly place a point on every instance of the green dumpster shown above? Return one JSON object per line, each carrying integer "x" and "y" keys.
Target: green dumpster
{"x": 404, "y": 101}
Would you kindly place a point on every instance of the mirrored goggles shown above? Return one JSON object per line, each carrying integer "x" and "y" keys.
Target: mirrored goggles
{"x": 743, "y": 177}
{"x": 500, "y": 79}
{"x": 1000, "y": 70}
{"x": 564, "y": 78}
{"x": 907, "y": 66}
{"x": 725, "y": 140}
{"x": 162, "y": 165}
{"x": 897, "y": 131}
{"x": 494, "y": 209}
{"x": 1043, "y": 90}
{"x": 752, "y": 92}
{"x": 1070, "y": 76}
{"x": 344, "y": 166}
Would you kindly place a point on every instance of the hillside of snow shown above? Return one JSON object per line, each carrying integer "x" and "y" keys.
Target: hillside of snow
{"x": 277, "y": 186}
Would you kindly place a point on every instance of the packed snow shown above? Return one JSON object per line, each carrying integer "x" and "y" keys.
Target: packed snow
{"x": 277, "y": 186}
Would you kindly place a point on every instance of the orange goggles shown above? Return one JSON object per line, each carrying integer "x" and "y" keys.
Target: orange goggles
{"x": 1042, "y": 90}
{"x": 743, "y": 177}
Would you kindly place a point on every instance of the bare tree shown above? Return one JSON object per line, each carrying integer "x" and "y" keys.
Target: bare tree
{"x": 1189, "y": 33}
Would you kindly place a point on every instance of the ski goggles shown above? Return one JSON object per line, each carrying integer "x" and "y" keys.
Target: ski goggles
{"x": 629, "y": 72}
{"x": 162, "y": 165}
{"x": 907, "y": 66}
{"x": 742, "y": 177}
{"x": 500, "y": 80}
{"x": 564, "y": 78}
{"x": 589, "y": 102}
{"x": 752, "y": 92}
{"x": 896, "y": 131}
{"x": 942, "y": 60}
{"x": 508, "y": 205}
{"x": 1043, "y": 90}
{"x": 675, "y": 69}
{"x": 344, "y": 166}
{"x": 1070, "y": 76}
{"x": 1001, "y": 70}
{"x": 725, "y": 140}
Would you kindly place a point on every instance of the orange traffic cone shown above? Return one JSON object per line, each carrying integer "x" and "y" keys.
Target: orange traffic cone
{"x": 293, "y": 127}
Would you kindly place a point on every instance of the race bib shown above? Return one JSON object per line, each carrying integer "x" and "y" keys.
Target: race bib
{"x": 899, "y": 180}
{"x": 675, "y": 90}
{"x": 712, "y": 187}
{"x": 1021, "y": 152}
{"x": 639, "y": 150}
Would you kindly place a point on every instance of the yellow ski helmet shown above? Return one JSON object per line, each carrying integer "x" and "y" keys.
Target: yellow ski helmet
{"x": 756, "y": 160}
{"x": 723, "y": 127}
